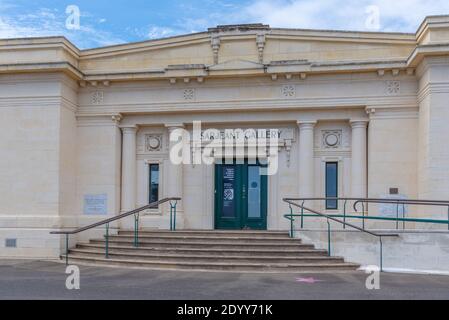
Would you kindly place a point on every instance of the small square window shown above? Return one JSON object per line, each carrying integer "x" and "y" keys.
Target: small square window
{"x": 154, "y": 184}
{"x": 332, "y": 185}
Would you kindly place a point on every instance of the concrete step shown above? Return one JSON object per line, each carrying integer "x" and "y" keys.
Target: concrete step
{"x": 213, "y": 266}
{"x": 129, "y": 241}
{"x": 208, "y": 239}
{"x": 207, "y": 250}
{"x": 280, "y": 252}
{"x": 212, "y": 233}
{"x": 114, "y": 254}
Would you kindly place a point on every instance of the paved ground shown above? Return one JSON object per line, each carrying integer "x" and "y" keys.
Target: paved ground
{"x": 46, "y": 280}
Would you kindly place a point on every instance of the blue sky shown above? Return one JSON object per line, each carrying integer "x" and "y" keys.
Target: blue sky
{"x": 116, "y": 21}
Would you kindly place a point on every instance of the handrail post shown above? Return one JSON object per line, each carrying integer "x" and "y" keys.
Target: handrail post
{"x": 302, "y": 214}
{"x": 107, "y": 242}
{"x": 381, "y": 254}
{"x": 66, "y": 249}
{"x": 397, "y": 215}
{"x": 403, "y": 216}
{"x": 136, "y": 230}
{"x": 329, "y": 238}
{"x": 291, "y": 221}
{"x": 173, "y": 215}
{"x": 363, "y": 215}
{"x": 344, "y": 213}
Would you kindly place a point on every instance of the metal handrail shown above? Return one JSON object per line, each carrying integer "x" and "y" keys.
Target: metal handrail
{"x": 173, "y": 202}
{"x": 379, "y": 235}
{"x": 363, "y": 201}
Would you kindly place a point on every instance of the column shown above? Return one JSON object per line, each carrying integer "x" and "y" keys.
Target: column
{"x": 358, "y": 161}
{"x": 174, "y": 171}
{"x": 306, "y": 159}
{"x": 129, "y": 174}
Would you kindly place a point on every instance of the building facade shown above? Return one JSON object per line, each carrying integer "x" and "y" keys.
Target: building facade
{"x": 86, "y": 133}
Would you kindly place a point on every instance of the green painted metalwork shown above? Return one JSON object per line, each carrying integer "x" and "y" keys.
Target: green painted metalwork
{"x": 376, "y": 218}
{"x": 107, "y": 241}
{"x": 173, "y": 215}
{"x": 364, "y": 217}
{"x": 66, "y": 249}
{"x": 136, "y": 230}
{"x": 329, "y": 238}
{"x": 381, "y": 250}
{"x": 171, "y": 218}
{"x": 302, "y": 212}
{"x": 291, "y": 222}
{"x": 106, "y": 222}
{"x": 363, "y": 214}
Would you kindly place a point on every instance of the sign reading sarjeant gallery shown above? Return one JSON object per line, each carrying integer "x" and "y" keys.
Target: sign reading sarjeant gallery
{"x": 96, "y": 204}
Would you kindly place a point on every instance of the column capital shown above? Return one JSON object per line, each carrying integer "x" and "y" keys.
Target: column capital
{"x": 306, "y": 124}
{"x": 129, "y": 129}
{"x": 359, "y": 123}
{"x": 173, "y": 126}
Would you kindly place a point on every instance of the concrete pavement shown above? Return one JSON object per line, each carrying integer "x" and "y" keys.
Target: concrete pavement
{"x": 46, "y": 280}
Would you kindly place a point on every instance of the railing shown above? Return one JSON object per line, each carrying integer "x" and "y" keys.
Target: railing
{"x": 364, "y": 205}
{"x": 291, "y": 216}
{"x": 136, "y": 212}
{"x": 363, "y": 202}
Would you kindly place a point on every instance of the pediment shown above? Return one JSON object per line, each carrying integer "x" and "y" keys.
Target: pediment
{"x": 236, "y": 65}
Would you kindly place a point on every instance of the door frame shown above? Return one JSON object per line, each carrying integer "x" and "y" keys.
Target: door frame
{"x": 241, "y": 221}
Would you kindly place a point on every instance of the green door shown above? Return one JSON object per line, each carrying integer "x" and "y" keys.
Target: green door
{"x": 240, "y": 197}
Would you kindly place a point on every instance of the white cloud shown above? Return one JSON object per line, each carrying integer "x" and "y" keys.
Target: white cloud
{"x": 156, "y": 32}
{"x": 395, "y": 15}
{"x": 51, "y": 22}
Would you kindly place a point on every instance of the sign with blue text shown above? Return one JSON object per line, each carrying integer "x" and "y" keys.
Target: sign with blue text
{"x": 96, "y": 204}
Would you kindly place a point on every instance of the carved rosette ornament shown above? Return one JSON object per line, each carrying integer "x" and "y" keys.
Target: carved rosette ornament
{"x": 189, "y": 94}
{"x": 153, "y": 142}
{"x": 288, "y": 91}
{"x": 97, "y": 97}
{"x": 393, "y": 87}
{"x": 332, "y": 139}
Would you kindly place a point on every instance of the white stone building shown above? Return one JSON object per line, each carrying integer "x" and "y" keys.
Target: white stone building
{"x": 367, "y": 111}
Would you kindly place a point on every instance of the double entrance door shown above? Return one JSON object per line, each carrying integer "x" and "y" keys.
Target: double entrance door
{"x": 240, "y": 196}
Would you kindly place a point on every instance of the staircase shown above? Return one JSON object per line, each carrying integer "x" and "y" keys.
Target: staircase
{"x": 238, "y": 251}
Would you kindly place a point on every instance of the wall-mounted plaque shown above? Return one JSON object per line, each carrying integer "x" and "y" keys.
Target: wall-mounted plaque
{"x": 96, "y": 204}
{"x": 391, "y": 210}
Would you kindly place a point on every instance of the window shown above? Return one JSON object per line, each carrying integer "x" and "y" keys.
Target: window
{"x": 154, "y": 183}
{"x": 331, "y": 185}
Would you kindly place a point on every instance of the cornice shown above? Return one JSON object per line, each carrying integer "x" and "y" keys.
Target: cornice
{"x": 423, "y": 51}
{"x": 432, "y": 87}
{"x": 43, "y": 67}
{"x": 46, "y": 101}
{"x": 258, "y": 33}
{"x": 40, "y": 43}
